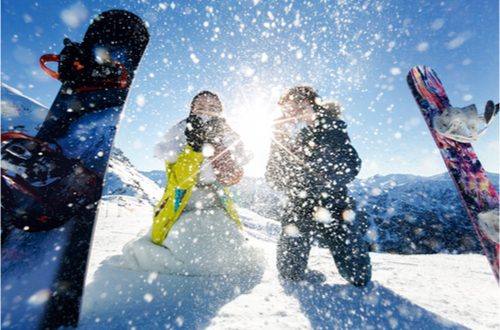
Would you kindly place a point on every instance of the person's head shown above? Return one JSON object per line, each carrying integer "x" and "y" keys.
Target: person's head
{"x": 331, "y": 109}
{"x": 206, "y": 103}
{"x": 298, "y": 102}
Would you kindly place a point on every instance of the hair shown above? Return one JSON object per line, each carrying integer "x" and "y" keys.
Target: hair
{"x": 332, "y": 109}
{"x": 299, "y": 93}
{"x": 205, "y": 93}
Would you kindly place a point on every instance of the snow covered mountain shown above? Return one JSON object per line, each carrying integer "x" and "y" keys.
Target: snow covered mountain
{"x": 407, "y": 292}
{"x": 412, "y": 214}
{"x": 122, "y": 178}
{"x": 157, "y": 176}
{"x": 23, "y": 114}
{"x": 407, "y": 214}
{"x": 19, "y": 112}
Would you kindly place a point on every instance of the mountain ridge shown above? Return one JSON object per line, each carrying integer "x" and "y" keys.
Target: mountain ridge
{"x": 406, "y": 213}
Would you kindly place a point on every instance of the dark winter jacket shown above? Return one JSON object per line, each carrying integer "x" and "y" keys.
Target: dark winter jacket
{"x": 316, "y": 166}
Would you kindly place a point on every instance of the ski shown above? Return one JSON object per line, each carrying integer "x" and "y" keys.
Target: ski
{"x": 475, "y": 189}
{"x": 52, "y": 182}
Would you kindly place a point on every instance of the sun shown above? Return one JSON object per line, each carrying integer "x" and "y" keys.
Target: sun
{"x": 253, "y": 121}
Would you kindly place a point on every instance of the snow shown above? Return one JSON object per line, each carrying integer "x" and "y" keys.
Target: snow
{"x": 75, "y": 15}
{"x": 437, "y": 24}
{"x": 423, "y": 46}
{"x": 122, "y": 178}
{"x": 19, "y": 112}
{"x": 408, "y": 292}
{"x": 459, "y": 40}
{"x": 202, "y": 242}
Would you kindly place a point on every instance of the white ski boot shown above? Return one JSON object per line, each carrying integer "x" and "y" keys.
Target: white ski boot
{"x": 464, "y": 124}
{"x": 489, "y": 223}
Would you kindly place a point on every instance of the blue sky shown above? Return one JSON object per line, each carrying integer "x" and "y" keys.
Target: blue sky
{"x": 357, "y": 52}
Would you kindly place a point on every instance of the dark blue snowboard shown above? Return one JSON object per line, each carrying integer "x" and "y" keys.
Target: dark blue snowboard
{"x": 52, "y": 182}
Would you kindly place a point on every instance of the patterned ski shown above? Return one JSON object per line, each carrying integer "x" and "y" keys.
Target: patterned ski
{"x": 476, "y": 191}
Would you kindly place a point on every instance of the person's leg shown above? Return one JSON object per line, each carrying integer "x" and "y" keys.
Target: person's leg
{"x": 292, "y": 253}
{"x": 294, "y": 243}
{"x": 350, "y": 251}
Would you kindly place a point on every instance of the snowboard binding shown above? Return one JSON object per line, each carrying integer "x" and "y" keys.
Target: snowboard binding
{"x": 82, "y": 69}
{"x": 489, "y": 225}
{"x": 38, "y": 181}
{"x": 464, "y": 124}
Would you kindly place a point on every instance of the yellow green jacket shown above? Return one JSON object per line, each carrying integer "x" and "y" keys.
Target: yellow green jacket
{"x": 183, "y": 173}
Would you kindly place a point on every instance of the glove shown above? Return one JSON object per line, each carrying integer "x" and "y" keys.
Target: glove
{"x": 214, "y": 131}
{"x": 195, "y": 132}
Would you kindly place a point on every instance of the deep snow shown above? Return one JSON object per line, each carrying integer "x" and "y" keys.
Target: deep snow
{"x": 412, "y": 291}
{"x": 407, "y": 292}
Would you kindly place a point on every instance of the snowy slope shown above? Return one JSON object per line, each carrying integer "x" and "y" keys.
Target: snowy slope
{"x": 408, "y": 292}
{"x": 413, "y": 292}
{"x": 122, "y": 178}
{"x": 19, "y": 112}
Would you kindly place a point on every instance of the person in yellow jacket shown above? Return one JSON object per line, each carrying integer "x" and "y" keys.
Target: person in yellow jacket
{"x": 196, "y": 220}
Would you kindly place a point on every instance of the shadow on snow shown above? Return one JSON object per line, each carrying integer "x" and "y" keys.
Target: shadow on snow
{"x": 373, "y": 307}
{"x": 122, "y": 299}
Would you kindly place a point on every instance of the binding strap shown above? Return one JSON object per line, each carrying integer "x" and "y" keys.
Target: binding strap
{"x": 49, "y": 58}
{"x": 121, "y": 83}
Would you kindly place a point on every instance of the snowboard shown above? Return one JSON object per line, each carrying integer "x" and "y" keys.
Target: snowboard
{"x": 475, "y": 189}
{"x": 52, "y": 182}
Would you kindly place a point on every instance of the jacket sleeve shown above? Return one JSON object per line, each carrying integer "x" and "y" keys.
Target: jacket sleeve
{"x": 276, "y": 163}
{"x": 172, "y": 143}
{"x": 229, "y": 158}
{"x": 284, "y": 170}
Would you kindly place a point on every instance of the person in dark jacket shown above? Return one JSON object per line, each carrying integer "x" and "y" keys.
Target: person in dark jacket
{"x": 311, "y": 162}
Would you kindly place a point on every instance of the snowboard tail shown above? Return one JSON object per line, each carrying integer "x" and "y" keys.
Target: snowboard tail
{"x": 52, "y": 182}
{"x": 475, "y": 189}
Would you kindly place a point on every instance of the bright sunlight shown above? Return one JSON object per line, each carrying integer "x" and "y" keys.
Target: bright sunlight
{"x": 253, "y": 119}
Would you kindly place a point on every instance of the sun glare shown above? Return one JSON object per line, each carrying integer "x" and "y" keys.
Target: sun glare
{"x": 253, "y": 120}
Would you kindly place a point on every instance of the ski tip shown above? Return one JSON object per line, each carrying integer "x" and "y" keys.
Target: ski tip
{"x": 116, "y": 13}
{"x": 120, "y": 22}
{"x": 423, "y": 73}
{"x": 420, "y": 67}
{"x": 416, "y": 71}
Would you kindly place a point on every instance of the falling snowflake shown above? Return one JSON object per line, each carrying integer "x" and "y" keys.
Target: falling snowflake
{"x": 194, "y": 58}
{"x": 423, "y": 46}
{"x": 395, "y": 71}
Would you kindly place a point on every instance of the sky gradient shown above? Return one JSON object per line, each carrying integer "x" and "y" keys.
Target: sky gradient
{"x": 249, "y": 51}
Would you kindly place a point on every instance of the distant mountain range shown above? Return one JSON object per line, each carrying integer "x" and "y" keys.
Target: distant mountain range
{"x": 406, "y": 213}
{"x": 19, "y": 112}
{"x": 412, "y": 214}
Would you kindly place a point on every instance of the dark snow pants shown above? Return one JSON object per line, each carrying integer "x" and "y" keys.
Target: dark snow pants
{"x": 343, "y": 238}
